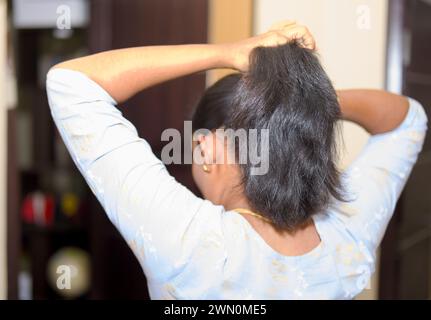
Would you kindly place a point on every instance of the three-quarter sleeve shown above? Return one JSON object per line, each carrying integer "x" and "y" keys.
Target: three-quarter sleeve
{"x": 161, "y": 220}
{"x": 374, "y": 181}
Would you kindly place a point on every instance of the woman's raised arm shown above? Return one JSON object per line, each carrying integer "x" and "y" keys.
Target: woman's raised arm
{"x": 377, "y": 111}
{"x": 125, "y": 72}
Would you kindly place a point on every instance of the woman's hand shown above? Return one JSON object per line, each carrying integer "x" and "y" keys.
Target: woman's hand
{"x": 279, "y": 34}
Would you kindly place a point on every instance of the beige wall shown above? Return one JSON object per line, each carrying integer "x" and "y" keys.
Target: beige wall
{"x": 229, "y": 20}
{"x": 351, "y": 37}
{"x": 3, "y": 151}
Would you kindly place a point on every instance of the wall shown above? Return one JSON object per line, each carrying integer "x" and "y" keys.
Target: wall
{"x": 3, "y": 151}
{"x": 351, "y": 38}
{"x": 228, "y": 21}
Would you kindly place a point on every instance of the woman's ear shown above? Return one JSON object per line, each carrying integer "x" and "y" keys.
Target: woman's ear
{"x": 206, "y": 148}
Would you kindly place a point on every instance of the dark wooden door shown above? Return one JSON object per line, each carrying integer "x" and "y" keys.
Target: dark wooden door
{"x": 125, "y": 23}
{"x": 405, "y": 271}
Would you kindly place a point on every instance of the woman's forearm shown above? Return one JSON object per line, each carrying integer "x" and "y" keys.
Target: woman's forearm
{"x": 377, "y": 111}
{"x": 125, "y": 72}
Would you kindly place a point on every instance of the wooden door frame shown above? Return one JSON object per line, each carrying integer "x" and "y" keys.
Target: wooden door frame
{"x": 13, "y": 221}
{"x": 389, "y": 262}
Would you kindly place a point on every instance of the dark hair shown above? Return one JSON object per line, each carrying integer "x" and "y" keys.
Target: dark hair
{"x": 286, "y": 91}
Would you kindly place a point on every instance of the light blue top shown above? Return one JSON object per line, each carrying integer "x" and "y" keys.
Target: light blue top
{"x": 190, "y": 248}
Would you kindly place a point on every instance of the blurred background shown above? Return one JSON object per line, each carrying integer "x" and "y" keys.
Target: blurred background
{"x": 48, "y": 216}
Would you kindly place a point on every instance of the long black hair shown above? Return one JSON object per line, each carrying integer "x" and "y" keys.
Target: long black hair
{"x": 286, "y": 91}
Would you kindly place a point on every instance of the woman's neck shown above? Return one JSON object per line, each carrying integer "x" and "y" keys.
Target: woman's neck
{"x": 290, "y": 243}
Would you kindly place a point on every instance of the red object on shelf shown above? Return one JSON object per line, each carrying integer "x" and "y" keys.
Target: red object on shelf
{"x": 38, "y": 208}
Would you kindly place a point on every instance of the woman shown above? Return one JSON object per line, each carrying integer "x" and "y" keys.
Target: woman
{"x": 299, "y": 231}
